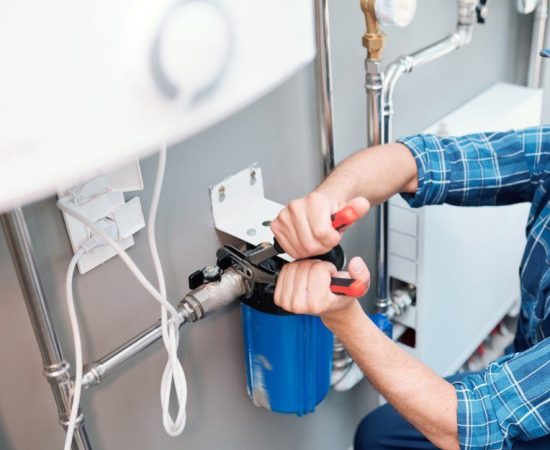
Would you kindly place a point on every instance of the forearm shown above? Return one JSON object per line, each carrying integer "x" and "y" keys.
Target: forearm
{"x": 376, "y": 173}
{"x": 427, "y": 401}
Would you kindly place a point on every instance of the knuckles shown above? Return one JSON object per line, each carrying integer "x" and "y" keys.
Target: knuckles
{"x": 314, "y": 198}
{"x": 312, "y": 248}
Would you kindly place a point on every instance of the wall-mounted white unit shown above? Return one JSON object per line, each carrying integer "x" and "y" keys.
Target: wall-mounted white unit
{"x": 87, "y": 85}
{"x": 463, "y": 261}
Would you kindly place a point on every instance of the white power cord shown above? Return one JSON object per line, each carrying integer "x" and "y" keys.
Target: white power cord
{"x": 88, "y": 245}
{"x": 173, "y": 371}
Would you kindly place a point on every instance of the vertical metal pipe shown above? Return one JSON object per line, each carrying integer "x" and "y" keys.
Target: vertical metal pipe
{"x": 56, "y": 369}
{"x": 324, "y": 84}
{"x": 537, "y": 43}
{"x": 323, "y": 69}
{"x": 374, "y": 85}
{"x": 380, "y": 86}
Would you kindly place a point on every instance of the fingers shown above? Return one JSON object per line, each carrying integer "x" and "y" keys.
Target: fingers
{"x": 359, "y": 270}
{"x": 318, "y": 214}
{"x": 285, "y": 233}
{"x": 303, "y": 287}
{"x": 287, "y": 275}
{"x": 304, "y": 227}
{"x": 300, "y": 296}
{"x": 319, "y": 287}
{"x": 361, "y": 205}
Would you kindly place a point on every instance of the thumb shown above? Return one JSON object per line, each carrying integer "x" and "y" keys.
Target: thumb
{"x": 358, "y": 270}
{"x": 360, "y": 204}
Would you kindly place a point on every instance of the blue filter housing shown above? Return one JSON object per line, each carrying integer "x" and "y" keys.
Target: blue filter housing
{"x": 288, "y": 360}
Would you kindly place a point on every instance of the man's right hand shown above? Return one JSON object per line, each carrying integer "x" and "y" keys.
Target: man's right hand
{"x": 304, "y": 227}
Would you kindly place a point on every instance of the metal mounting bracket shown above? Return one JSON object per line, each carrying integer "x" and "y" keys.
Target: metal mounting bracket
{"x": 240, "y": 208}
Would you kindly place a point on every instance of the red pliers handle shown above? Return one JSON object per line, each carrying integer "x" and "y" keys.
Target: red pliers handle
{"x": 348, "y": 287}
{"x": 344, "y": 218}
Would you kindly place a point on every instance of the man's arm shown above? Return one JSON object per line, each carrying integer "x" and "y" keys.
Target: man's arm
{"x": 490, "y": 410}
{"x": 507, "y": 402}
{"x": 424, "y": 399}
{"x": 376, "y": 173}
{"x": 372, "y": 175}
{"x": 473, "y": 170}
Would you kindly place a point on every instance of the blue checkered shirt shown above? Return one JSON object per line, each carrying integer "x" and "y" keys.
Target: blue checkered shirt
{"x": 511, "y": 399}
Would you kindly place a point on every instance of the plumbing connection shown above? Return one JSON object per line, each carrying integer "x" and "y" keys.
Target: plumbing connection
{"x": 380, "y": 85}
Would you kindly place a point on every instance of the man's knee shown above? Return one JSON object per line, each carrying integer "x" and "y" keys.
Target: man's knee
{"x": 385, "y": 429}
{"x": 374, "y": 428}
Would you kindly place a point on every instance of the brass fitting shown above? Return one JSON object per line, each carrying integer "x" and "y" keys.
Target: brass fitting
{"x": 374, "y": 39}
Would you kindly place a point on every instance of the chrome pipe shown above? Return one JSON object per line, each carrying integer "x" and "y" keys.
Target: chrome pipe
{"x": 537, "y": 44}
{"x": 56, "y": 368}
{"x": 196, "y": 305}
{"x": 380, "y": 88}
{"x": 407, "y": 64}
{"x": 94, "y": 372}
{"x": 323, "y": 67}
{"x": 374, "y": 85}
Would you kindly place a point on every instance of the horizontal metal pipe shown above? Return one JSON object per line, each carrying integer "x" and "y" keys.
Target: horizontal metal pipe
{"x": 96, "y": 371}
{"x": 455, "y": 41}
{"x": 407, "y": 64}
{"x": 196, "y": 305}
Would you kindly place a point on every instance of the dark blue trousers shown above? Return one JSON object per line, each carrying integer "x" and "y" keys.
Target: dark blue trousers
{"x": 385, "y": 429}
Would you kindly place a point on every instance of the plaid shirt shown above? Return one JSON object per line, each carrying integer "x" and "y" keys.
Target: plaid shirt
{"x": 511, "y": 399}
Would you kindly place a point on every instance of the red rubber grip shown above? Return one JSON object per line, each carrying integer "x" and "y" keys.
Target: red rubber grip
{"x": 343, "y": 218}
{"x": 348, "y": 286}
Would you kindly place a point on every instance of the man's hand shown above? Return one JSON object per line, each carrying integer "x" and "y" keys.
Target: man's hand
{"x": 304, "y": 227}
{"x": 303, "y": 287}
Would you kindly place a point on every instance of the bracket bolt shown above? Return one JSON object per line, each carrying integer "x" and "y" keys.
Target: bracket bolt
{"x": 221, "y": 193}
{"x": 252, "y": 176}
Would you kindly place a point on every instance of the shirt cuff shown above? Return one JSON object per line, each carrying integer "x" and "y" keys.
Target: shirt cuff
{"x": 432, "y": 172}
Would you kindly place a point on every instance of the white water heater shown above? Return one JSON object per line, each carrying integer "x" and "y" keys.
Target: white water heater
{"x": 87, "y": 85}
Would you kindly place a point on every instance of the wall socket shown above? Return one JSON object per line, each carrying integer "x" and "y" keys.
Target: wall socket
{"x": 103, "y": 198}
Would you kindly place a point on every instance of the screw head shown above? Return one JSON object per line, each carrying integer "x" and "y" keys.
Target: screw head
{"x": 221, "y": 193}
{"x": 251, "y": 231}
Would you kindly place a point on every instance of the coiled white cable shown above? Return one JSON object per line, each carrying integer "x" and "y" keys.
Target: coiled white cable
{"x": 173, "y": 371}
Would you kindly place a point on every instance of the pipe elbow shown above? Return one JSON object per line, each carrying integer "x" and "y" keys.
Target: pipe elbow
{"x": 463, "y": 35}
{"x": 92, "y": 375}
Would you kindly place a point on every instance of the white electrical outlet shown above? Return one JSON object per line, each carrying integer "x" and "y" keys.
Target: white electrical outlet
{"x": 103, "y": 198}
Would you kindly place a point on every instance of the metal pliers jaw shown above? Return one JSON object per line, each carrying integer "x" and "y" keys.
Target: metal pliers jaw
{"x": 229, "y": 256}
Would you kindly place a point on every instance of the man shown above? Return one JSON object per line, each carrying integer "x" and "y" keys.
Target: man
{"x": 505, "y": 406}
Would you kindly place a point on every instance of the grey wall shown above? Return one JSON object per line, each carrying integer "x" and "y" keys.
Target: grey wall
{"x": 279, "y": 132}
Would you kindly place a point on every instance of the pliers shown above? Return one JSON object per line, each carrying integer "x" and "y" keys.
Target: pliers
{"x": 251, "y": 264}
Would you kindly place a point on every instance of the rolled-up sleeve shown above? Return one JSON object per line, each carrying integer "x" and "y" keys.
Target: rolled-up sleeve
{"x": 507, "y": 402}
{"x": 478, "y": 169}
